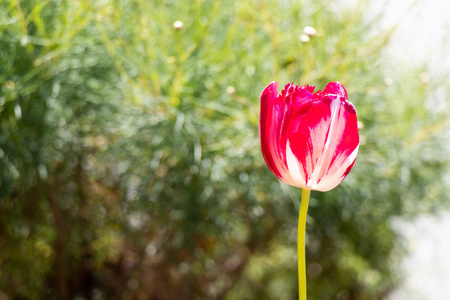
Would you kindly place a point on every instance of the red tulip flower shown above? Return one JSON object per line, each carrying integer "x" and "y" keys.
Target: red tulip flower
{"x": 308, "y": 140}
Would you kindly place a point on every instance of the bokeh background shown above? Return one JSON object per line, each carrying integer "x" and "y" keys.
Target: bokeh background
{"x": 130, "y": 164}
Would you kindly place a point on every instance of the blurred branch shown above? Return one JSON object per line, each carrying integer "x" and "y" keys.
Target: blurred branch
{"x": 60, "y": 245}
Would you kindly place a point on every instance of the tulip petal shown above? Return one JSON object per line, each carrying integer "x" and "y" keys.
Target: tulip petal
{"x": 336, "y": 88}
{"x": 325, "y": 142}
{"x": 299, "y": 103}
{"x": 272, "y": 114}
{"x": 307, "y": 140}
{"x": 343, "y": 146}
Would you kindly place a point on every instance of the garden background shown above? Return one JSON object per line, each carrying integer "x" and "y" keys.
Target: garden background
{"x": 130, "y": 165}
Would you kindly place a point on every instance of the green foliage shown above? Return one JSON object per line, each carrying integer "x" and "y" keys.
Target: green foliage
{"x": 130, "y": 161}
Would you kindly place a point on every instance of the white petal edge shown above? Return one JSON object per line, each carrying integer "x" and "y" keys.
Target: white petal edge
{"x": 296, "y": 174}
{"x": 329, "y": 182}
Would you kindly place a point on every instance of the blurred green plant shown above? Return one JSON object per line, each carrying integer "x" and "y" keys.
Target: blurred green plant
{"x": 130, "y": 160}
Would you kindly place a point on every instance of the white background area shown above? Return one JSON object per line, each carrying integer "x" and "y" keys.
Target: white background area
{"x": 427, "y": 267}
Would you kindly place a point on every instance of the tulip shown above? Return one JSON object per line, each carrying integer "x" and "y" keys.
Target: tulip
{"x": 308, "y": 140}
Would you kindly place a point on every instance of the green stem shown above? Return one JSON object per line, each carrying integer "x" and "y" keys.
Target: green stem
{"x": 301, "y": 244}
